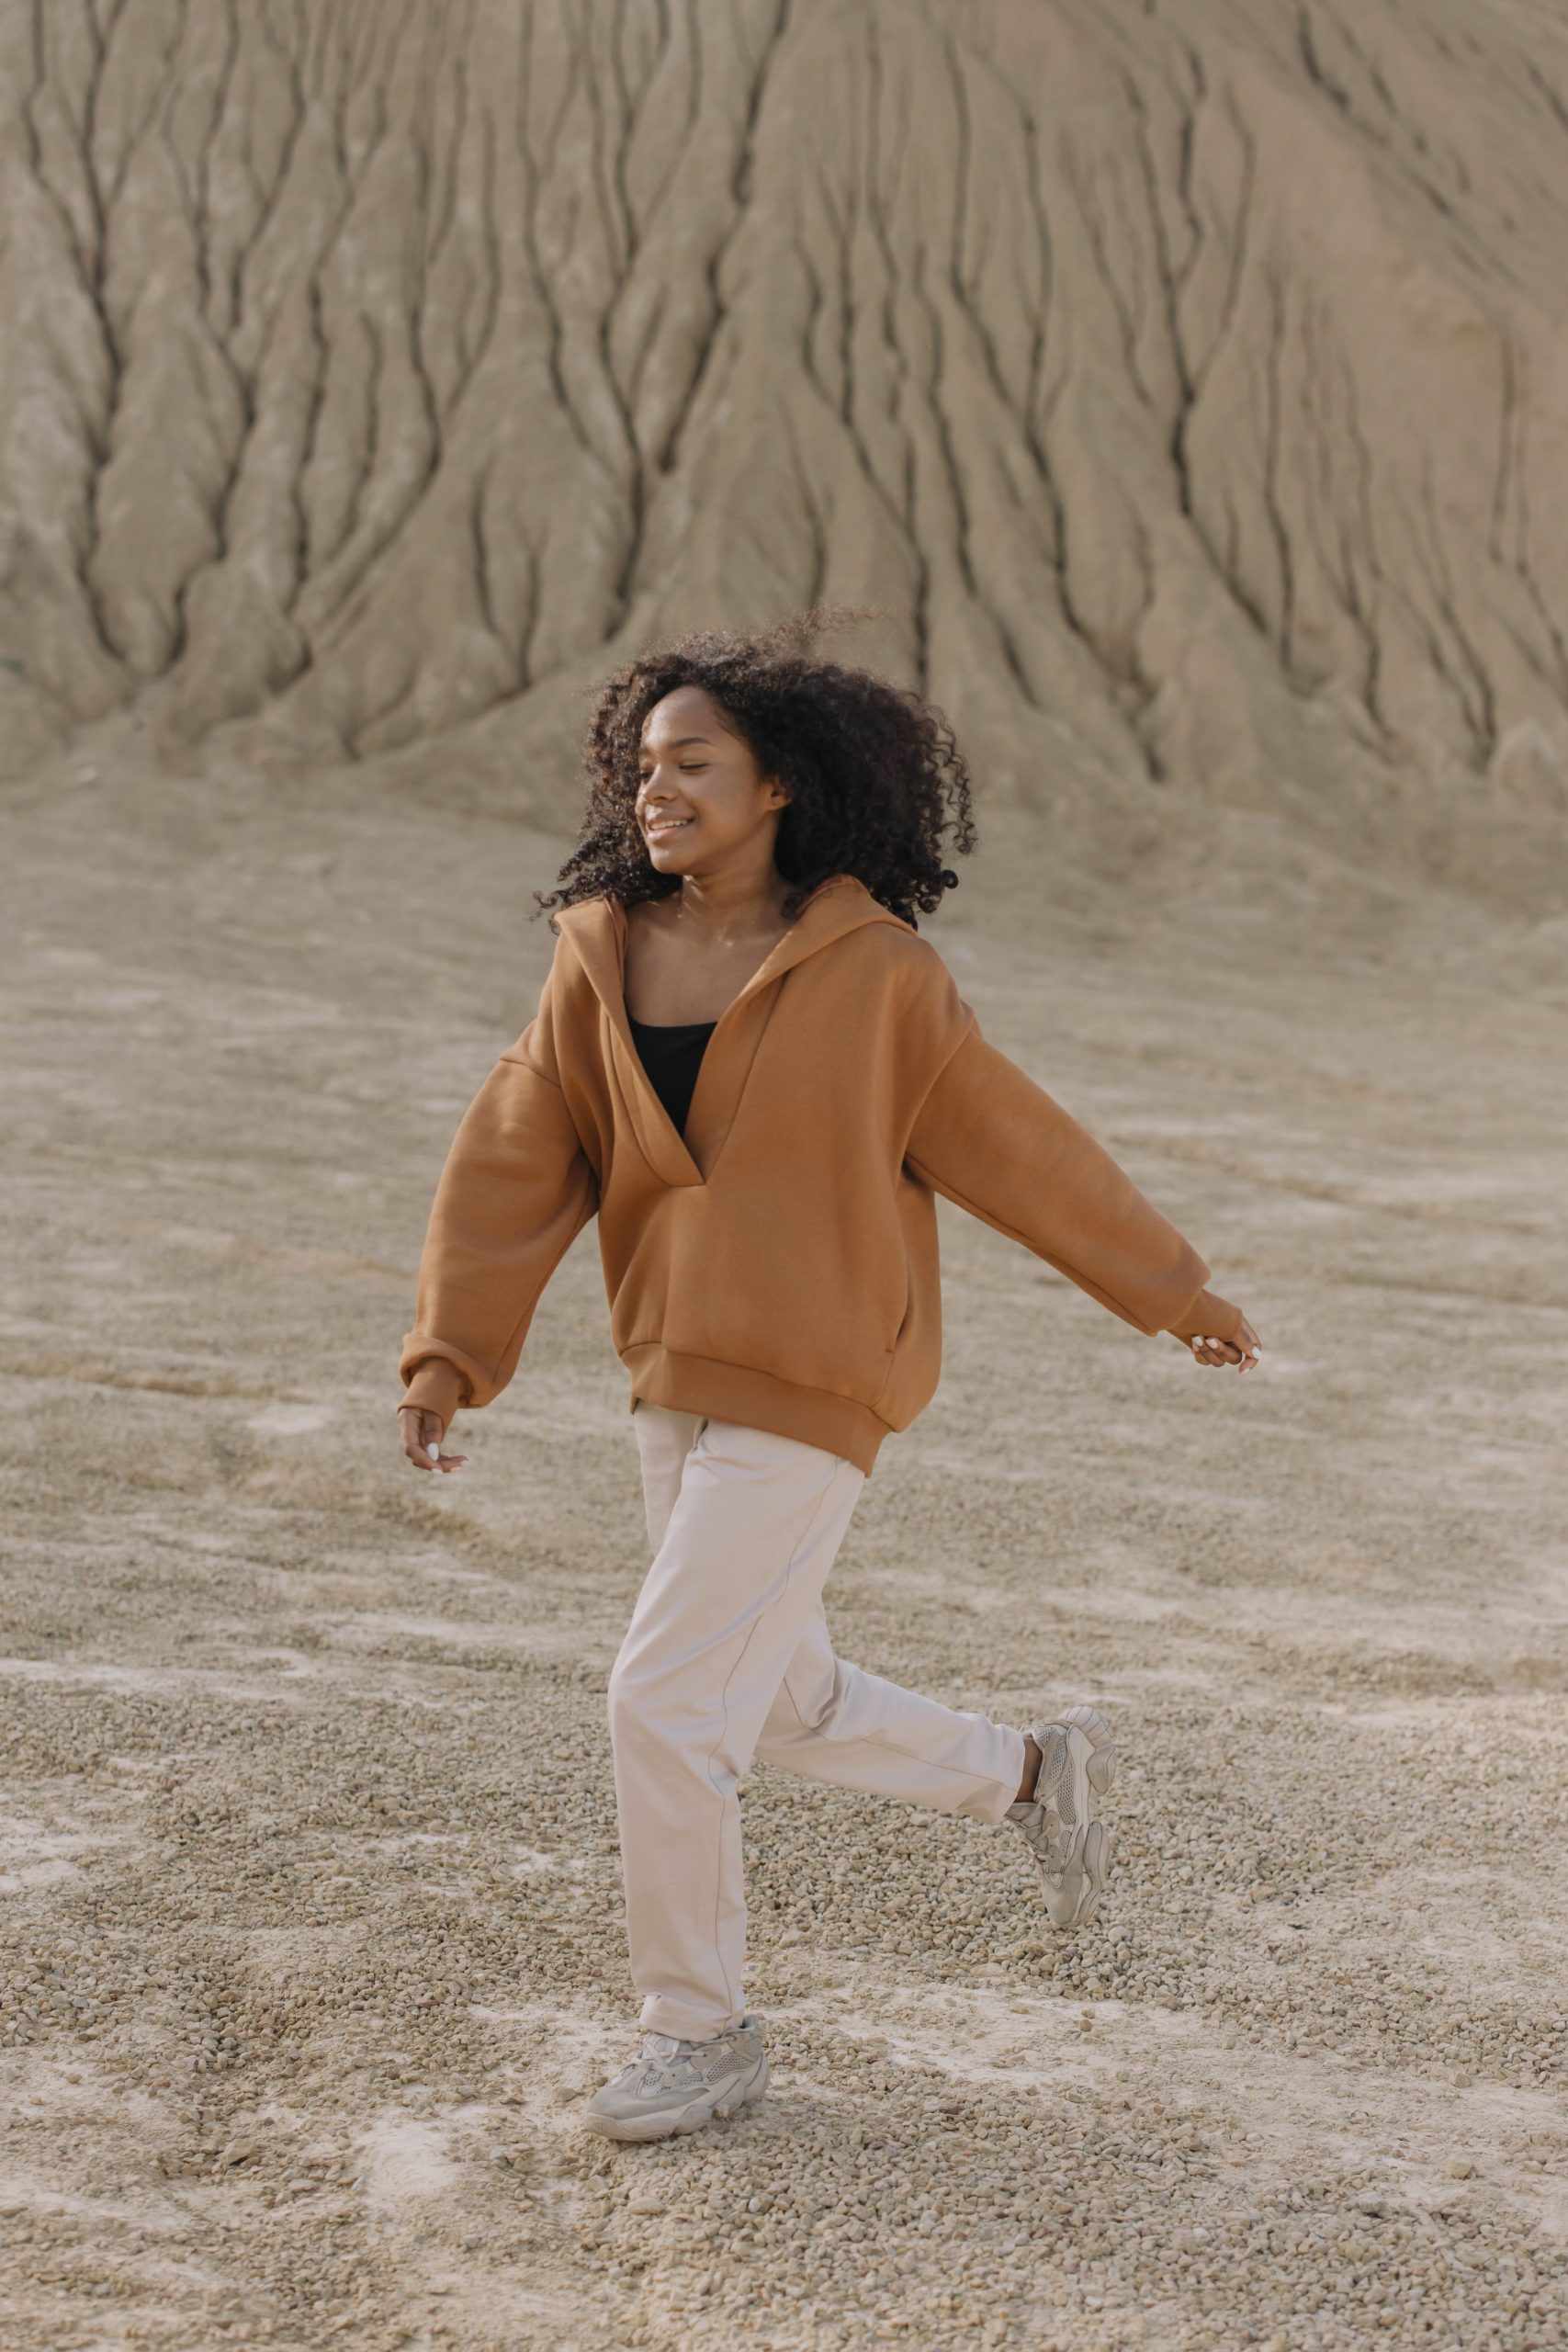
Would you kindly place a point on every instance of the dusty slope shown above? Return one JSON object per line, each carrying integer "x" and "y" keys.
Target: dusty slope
{"x": 1188, "y": 381}
{"x": 308, "y": 1916}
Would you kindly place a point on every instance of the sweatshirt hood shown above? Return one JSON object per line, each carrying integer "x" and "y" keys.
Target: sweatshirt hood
{"x": 596, "y": 929}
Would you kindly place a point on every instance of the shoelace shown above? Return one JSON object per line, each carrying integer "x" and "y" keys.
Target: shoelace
{"x": 660, "y": 2050}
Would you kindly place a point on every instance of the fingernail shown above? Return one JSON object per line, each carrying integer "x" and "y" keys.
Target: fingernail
{"x": 434, "y": 1452}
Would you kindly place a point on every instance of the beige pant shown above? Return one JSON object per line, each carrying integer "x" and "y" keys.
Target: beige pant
{"x": 727, "y": 1657}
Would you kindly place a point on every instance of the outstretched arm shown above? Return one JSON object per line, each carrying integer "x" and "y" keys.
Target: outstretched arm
{"x": 991, "y": 1140}
{"x": 516, "y": 1190}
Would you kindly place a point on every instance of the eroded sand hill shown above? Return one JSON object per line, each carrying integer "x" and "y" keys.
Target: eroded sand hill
{"x": 1188, "y": 381}
{"x": 309, "y": 1935}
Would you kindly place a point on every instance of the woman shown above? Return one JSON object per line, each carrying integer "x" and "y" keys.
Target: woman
{"x": 747, "y": 1064}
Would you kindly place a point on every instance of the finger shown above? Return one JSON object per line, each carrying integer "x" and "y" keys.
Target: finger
{"x": 421, "y": 1435}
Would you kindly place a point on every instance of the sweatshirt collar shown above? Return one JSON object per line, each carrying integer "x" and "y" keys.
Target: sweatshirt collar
{"x": 597, "y": 930}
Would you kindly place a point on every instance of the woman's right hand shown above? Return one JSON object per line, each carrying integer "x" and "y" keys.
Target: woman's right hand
{"x": 421, "y": 1435}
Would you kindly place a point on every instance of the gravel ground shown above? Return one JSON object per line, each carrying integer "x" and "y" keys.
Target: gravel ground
{"x": 310, "y": 1925}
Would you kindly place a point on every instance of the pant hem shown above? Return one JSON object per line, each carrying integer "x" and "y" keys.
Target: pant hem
{"x": 685, "y": 2025}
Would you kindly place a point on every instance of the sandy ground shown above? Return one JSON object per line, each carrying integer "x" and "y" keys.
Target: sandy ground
{"x": 309, "y": 1912}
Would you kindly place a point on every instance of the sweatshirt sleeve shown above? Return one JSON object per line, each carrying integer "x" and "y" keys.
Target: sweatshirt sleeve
{"x": 991, "y": 1140}
{"x": 515, "y": 1193}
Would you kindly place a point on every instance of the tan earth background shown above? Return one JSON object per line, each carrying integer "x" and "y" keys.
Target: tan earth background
{"x": 1187, "y": 385}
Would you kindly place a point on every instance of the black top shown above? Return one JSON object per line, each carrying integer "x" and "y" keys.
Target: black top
{"x": 671, "y": 1051}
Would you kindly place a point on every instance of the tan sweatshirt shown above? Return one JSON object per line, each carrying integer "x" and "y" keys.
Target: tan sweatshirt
{"x": 779, "y": 1265}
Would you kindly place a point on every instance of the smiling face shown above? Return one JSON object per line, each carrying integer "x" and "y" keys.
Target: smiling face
{"x": 701, "y": 796}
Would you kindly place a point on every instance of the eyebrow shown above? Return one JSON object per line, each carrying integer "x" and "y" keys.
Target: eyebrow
{"x": 642, "y": 748}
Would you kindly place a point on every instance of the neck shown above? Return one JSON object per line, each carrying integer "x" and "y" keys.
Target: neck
{"x": 731, "y": 904}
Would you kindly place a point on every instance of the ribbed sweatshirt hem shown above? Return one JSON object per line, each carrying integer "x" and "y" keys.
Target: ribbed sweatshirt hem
{"x": 736, "y": 1392}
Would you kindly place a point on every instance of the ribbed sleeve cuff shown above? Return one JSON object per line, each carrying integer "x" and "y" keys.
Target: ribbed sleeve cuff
{"x": 436, "y": 1386}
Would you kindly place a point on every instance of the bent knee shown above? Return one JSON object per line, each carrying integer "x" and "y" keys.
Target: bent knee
{"x": 652, "y": 1707}
{"x": 623, "y": 1699}
{"x": 806, "y": 1702}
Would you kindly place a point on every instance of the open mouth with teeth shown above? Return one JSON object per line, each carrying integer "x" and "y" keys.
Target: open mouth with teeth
{"x": 667, "y": 825}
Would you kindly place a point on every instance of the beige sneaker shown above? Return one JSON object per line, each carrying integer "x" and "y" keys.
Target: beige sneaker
{"x": 1071, "y": 1845}
{"x": 673, "y": 2086}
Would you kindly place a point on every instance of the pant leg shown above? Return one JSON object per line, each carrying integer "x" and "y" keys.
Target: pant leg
{"x": 834, "y": 1722}
{"x": 664, "y": 1438}
{"x": 750, "y": 1535}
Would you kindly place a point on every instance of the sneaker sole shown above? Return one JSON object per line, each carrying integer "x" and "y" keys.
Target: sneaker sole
{"x": 1099, "y": 1846}
{"x": 670, "y": 2125}
{"x": 1093, "y": 1865}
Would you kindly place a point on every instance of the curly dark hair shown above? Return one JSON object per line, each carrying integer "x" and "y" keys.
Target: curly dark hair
{"x": 874, "y": 774}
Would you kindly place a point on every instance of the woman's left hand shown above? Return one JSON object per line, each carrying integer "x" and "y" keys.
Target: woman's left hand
{"x": 1243, "y": 1350}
